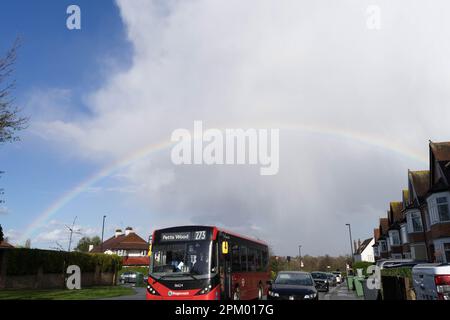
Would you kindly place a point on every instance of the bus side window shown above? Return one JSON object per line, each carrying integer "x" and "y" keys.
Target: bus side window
{"x": 264, "y": 260}
{"x": 258, "y": 260}
{"x": 251, "y": 259}
{"x": 244, "y": 258}
{"x": 235, "y": 261}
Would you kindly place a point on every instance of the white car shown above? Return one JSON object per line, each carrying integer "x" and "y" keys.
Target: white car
{"x": 338, "y": 277}
{"x": 431, "y": 281}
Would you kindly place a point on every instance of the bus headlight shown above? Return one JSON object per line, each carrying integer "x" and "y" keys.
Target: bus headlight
{"x": 204, "y": 290}
{"x": 151, "y": 290}
{"x": 273, "y": 294}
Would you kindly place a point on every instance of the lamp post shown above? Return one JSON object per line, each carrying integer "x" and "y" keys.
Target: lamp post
{"x": 103, "y": 232}
{"x": 300, "y": 256}
{"x": 351, "y": 241}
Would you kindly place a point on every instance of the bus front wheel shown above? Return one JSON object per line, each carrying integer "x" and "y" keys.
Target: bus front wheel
{"x": 260, "y": 293}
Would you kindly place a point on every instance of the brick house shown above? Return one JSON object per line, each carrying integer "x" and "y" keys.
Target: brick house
{"x": 418, "y": 227}
{"x": 438, "y": 199}
{"x": 395, "y": 219}
{"x": 381, "y": 244}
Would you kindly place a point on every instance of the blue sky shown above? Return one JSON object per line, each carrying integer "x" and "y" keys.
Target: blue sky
{"x": 355, "y": 106}
{"x": 51, "y": 56}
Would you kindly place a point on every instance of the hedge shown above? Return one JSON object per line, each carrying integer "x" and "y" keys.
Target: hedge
{"x": 405, "y": 272}
{"x": 28, "y": 261}
{"x": 361, "y": 265}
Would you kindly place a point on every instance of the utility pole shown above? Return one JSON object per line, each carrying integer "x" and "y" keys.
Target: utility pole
{"x": 103, "y": 232}
{"x": 72, "y": 231}
{"x": 351, "y": 241}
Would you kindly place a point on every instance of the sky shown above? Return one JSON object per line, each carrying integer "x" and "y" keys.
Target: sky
{"x": 355, "y": 103}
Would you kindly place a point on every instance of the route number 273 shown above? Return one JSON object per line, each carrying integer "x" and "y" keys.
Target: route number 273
{"x": 200, "y": 235}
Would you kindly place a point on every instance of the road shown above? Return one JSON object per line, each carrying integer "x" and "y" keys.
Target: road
{"x": 339, "y": 292}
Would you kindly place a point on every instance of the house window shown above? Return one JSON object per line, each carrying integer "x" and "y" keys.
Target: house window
{"x": 442, "y": 206}
{"x": 375, "y": 251}
{"x": 404, "y": 234}
{"x": 407, "y": 255}
{"x": 414, "y": 222}
{"x": 394, "y": 238}
{"x": 383, "y": 246}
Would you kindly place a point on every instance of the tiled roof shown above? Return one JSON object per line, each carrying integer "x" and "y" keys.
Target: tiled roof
{"x": 396, "y": 208}
{"x": 123, "y": 242}
{"x": 376, "y": 233}
{"x": 136, "y": 261}
{"x": 4, "y": 244}
{"x": 421, "y": 182}
{"x": 384, "y": 225}
{"x": 441, "y": 150}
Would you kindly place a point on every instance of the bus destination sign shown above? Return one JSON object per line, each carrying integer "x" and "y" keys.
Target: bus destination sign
{"x": 183, "y": 236}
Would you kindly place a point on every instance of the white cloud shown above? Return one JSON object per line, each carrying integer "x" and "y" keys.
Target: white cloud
{"x": 242, "y": 63}
{"x": 4, "y": 210}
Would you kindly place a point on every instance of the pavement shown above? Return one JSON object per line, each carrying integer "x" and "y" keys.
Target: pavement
{"x": 340, "y": 292}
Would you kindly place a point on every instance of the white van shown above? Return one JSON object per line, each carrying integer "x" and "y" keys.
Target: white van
{"x": 431, "y": 281}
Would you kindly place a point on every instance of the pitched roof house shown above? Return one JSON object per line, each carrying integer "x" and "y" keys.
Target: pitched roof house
{"x": 365, "y": 252}
{"x": 5, "y": 245}
{"x": 128, "y": 245}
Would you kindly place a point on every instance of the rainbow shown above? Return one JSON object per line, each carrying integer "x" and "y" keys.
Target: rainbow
{"x": 142, "y": 153}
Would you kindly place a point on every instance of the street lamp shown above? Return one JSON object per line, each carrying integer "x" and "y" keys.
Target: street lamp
{"x": 351, "y": 241}
{"x": 103, "y": 232}
{"x": 300, "y": 256}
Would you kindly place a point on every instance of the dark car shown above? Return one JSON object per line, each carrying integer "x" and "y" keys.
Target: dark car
{"x": 321, "y": 281}
{"x": 292, "y": 285}
{"x": 332, "y": 279}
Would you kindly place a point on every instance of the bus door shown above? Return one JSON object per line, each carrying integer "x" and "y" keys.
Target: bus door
{"x": 226, "y": 269}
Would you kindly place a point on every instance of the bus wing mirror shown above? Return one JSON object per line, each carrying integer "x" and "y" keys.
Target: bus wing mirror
{"x": 224, "y": 247}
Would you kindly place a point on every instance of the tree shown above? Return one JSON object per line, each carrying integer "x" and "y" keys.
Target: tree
{"x": 85, "y": 242}
{"x": 10, "y": 120}
{"x": 27, "y": 244}
{"x": 1, "y": 234}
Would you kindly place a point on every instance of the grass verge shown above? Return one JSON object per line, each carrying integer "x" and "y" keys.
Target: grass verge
{"x": 64, "y": 294}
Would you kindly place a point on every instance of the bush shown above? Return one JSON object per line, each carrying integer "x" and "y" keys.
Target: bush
{"x": 361, "y": 265}
{"x": 29, "y": 261}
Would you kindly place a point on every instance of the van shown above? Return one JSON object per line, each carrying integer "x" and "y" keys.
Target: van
{"x": 431, "y": 281}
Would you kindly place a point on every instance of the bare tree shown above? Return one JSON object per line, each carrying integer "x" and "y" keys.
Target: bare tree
{"x": 10, "y": 120}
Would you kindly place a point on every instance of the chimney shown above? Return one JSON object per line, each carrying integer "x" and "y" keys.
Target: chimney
{"x": 128, "y": 230}
{"x": 91, "y": 246}
{"x": 118, "y": 233}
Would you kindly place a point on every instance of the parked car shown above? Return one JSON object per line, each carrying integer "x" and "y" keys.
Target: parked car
{"x": 321, "y": 281}
{"x": 431, "y": 281}
{"x": 292, "y": 285}
{"x": 128, "y": 277}
{"x": 332, "y": 279}
{"x": 338, "y": 276}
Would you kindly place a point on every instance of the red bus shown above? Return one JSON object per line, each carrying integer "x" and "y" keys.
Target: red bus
{"x": 206, "y": 263}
